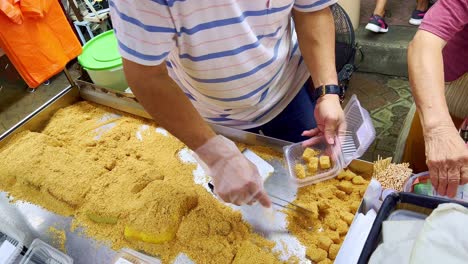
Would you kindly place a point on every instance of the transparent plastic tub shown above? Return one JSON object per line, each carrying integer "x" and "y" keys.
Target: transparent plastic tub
{"x": 421, "y": 184}
{"x": 129, "y": 256}
{"x": 350, "y": 144}
{"x": 11, "y": 243}
{"x": 41, "y": 252}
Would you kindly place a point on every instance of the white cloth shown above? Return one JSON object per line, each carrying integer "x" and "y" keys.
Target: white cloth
{"x": 444, "y": 237}
{"x": 442, "y": 240}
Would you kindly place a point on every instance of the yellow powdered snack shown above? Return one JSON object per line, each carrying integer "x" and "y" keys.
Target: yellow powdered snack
{"x": 116, "y": 175}
{"x": 59, "y": 238}
{"x": 322, "y": 234}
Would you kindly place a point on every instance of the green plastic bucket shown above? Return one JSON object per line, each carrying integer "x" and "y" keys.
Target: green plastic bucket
{"x": 102, "y": 60}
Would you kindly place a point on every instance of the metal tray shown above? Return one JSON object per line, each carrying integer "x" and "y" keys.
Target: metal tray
{"x": 86, "y": 250}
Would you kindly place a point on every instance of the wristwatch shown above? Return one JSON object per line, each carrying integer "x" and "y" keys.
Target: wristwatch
{"x": 329, "y": 89}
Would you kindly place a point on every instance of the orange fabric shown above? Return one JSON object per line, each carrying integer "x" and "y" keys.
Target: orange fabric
{"x": 415, "y": 150}
{"x": 35, "y": 8}
{"x": 11, "y": 9}
{"x": 39, "y": 48}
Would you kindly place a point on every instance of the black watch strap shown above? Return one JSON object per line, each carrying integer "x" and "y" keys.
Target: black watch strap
{"x": 329, "y": 89}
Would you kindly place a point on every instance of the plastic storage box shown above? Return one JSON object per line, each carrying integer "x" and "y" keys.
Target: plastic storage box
{"x": 350, "y": 144}
{"x": 421, "y": 184}
{"x": 11, "y": 243}
{"x": 414, "y": 207}
{"x": 102, "y": 60}
{"x": 129, "y": 256}
{"x": 41, "y": 252}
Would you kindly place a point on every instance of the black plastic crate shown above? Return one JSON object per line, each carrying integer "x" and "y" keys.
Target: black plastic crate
{"x": 394, "y": 201}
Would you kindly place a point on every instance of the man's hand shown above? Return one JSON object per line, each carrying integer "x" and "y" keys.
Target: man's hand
{"x": 236, "y": 180}
{"x": 329, "y": 117}
{"x": 447, "y": 159}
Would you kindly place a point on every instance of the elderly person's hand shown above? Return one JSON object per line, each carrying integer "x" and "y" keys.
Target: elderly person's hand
{"x": 447, "y": 159}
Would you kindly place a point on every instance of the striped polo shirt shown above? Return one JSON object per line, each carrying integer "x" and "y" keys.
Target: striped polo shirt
{"x": 237, "y": 60}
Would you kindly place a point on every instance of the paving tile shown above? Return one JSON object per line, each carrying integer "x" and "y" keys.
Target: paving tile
{"x": 398, "y": 83}
{"x": 384, "y": 115}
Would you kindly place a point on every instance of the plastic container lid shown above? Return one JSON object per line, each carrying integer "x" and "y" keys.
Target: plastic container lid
{"x": 351, "y": 144}
{"x": 360, "y": 132}
{"x": 101, "y": 53}
{"x": 11, "y": 243}
{"x": 129, "y": 256}
{"x": 41, "y": 252}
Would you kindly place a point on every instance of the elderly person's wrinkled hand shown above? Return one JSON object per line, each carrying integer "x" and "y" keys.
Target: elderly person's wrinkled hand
{"x": 447, "y": 159}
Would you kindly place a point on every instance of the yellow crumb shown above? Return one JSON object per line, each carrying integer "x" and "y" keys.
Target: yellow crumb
{"x": 325, "y": 162}
{"x": 59, "y": 238}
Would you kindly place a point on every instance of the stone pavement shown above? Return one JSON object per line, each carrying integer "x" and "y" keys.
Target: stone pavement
{"x": 397, "y": 12}
{"x": 388, "y": 100}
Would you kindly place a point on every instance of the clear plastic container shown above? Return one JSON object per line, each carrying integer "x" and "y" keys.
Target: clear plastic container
{"x": 129, "y": 256}
{"x": 350, "y": 144}
{"x": 11, "y": 243}
{"x": 41, "y": 252}
{"x": 421, "y": 184}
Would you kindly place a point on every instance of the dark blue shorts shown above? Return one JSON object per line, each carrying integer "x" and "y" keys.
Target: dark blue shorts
{"x": 293, "y": 120}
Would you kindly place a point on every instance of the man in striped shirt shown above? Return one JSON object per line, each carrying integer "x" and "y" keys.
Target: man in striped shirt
{"x": 238, "y": 63}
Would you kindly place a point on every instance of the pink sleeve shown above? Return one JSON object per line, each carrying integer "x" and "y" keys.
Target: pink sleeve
{"x": 446, "y": 18}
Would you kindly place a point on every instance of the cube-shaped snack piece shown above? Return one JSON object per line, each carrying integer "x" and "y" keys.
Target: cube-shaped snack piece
{"x": 350, "y": 175}
{"x": 334, "y": 236}
{"x": 341, "y": 195}
{"x": 341, "y": 175}
{"x": 312, "y": 209}
{"x": 346, "y": 187}
{"x": 341, "y": 227}
{"x": 325, "y": 162}
{"x": 324, "y": 242}
{"x": 354, "y": 207}
{"x": 316, "y": 254}
{"x": 312, "y": 165}
{"x": 300, "y": 171}
{"x": 358, "y": 180}
{"x": 325, "y": 261}
{"x": 347, "y": 217}
{"x": 333, "y": 251}
{"x": 309, "y": 154}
